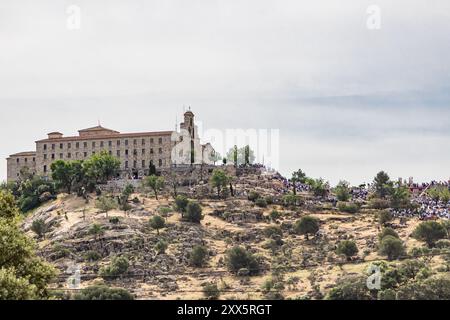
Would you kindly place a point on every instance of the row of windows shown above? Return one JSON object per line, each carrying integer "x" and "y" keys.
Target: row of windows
{"x": 25, "y": 160}
{"x": 118, "y": 153}
{"x": 102, "y": 144}
{"x": 143, "y": 163}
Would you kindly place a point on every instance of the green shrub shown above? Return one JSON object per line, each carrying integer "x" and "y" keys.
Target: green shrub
{"x": 253, "y": 196}
{"x": 429, "y": 232}
{"x": 347, "y": 248}
{"x": 161, "y": 247}
{"x": 102, "y": 292}
{"x": 379, "y": 204}
{"x": 274, "y": 215}
{"x": 39, "y": 227}
{"x": 307, "y": 225}
{"x": 92, "y": 256}
{"x": 198, "y": 256}
{"x": 443, "y": 244}
{"x": 117, "y": 267}
{"x": 260, "y": 202}
{"x": 193, "y": 212}
{"x": 211, "y": 291}
{"x": 388, "y": 232}
{"x": 273, "y": 231}
{"x": 238, "y": 258}
{"x": 114, "y": 220}
{"x": 348, "y": 207}
{"x": 157, "y": 222}
{"x": 384, "y": 217}
{"x": 392, "y": 247}
{"x": 181, "y": 203}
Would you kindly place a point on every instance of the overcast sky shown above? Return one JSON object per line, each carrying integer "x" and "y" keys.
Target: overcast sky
{"x": 348, "y": 100}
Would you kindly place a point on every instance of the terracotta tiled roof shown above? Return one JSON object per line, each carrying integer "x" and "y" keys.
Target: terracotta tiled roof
{"x": 110, "y": 136}
{"x": 23, "y": 154}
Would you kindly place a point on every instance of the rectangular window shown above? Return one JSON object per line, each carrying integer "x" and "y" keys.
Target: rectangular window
{"x": 118, "y": 153}
{"x": 126, "y": 152}
{"x": 77, "y": 145}
{"x": 160, "y": 140}
{"x": 93, "y": 152}
{"x": 126, "y": 164}
{"x": 135, "y": 152}
{"x": 134, "y": 164}
{"x": 26, "y": 160}
{"x": 45, "y": 156}
{"x": 69, "y": 145}
{"x": 45, "y": 168}
{"x": 93, "y": 144}
{"x": 61, "y": 146}
{"x": 151, "y": 150}
{"x": 143, "y": 142}
{"x": 61, "y": 155}
{"x": 101, "y": 144}
{"x": 69, "y": 155}
{"x": 53, "y": 146}
{"x": 34, "y": 159}
{"x": 143, "y": 151}
{"x": 110, "y": 152}
{"x": 118, "y": 142}
{"x": 53, "y": 156}
{"x": 151, "y": 140}
{"x": 160, "y": 150}
{"x": 160, "y": 162}
{"x": 45, "y": 147}
{"x": 110, "y": 143}
{"x": 135, "y": 142}
{"x": 17, "y": 160}
{"x": 143, "y": 163}
{"x": 126, "y": 142}
{"x": 85, "y": 154}
{"x": 85, "y": 144}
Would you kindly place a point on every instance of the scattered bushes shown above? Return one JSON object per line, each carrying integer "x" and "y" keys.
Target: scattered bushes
{"x": 181, "y": 203}
{"x": 384, "y": 217}
{"x": 253, "y": 196}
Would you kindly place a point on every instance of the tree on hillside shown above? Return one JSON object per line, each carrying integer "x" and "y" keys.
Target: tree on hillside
{"x": 342, "y": 191}
{"x": 307, "y": 225}
{"x": 101, "y": 167}
{"x": 297, "y": 177}
{"x": 106, "y": 204}
{"x": 239, "y": 156}
{"x": 155, "y": 183}
{"x": 96, "y": 230}
{"x": 429, "y": 232}
{"x": 383, "y": 185}
{"x": 319, "y": 187}
{"x": 23, "y": 275}
{"x": 392, "y": 247}
{"x": 8, "y": 209}
{"x": 400, "y": 197}
{"x": 157, "y": 222}
{"x": 63, "y": 174}
{"x": 347, "y": 248}
{"x": 193, "y": 212}
{"x": 219, "y": 180}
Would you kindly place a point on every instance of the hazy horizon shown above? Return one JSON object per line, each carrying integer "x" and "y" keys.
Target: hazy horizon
{"x": 348, "y": 101}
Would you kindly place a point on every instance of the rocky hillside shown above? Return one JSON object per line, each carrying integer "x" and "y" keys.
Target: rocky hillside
{"x": 290, "y": 265}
